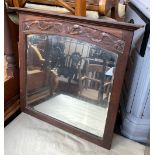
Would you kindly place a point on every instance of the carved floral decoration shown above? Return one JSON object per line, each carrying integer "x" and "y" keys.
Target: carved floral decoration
{"x": 99, "y": 37}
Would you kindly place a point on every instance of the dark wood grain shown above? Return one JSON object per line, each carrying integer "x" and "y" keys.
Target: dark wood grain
{"x": 8, "y": 45}
{"x": 11, "y": 84}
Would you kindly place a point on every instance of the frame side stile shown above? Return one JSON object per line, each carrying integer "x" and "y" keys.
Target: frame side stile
{"x": 22, "y": 101}
{"x": 114, "y": 105}
{"x": 22, "y": 52}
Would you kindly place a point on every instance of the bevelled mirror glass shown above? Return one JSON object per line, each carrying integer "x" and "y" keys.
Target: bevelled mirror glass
{"x": 70, "y": 80}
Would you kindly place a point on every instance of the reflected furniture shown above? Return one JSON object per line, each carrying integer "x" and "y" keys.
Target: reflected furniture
{"x": 89, "y": 85}
{"x": 97, "y": 80}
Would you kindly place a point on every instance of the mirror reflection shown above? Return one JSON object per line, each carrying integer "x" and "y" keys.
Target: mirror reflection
{"x": 70, "y": 80}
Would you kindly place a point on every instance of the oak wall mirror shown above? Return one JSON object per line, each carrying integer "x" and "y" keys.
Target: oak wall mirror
{"x": 71, "y": 71}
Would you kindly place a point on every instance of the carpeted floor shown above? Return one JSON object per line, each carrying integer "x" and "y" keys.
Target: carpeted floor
{"x": 27, "y": 135}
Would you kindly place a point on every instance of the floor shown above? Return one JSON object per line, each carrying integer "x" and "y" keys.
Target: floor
{"x": 27, "y": 135}
{"x": 81, "y": 114}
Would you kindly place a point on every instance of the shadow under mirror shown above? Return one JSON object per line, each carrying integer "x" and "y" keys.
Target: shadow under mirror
{"x": 70, "y": 80}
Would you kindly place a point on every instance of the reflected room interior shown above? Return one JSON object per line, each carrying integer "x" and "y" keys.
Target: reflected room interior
{"x": 70, "y": 80}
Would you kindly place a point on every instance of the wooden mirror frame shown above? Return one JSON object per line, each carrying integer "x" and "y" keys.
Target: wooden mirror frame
{"x": 113, "y": 36}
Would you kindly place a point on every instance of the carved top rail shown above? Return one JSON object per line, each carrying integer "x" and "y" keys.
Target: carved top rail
{"x": 100, "y": 38}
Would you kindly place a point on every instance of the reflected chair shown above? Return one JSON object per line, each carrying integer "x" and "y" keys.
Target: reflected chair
{"x": 34, "y": 58}
{"x": 66, "y": 64}
{"x": 41, "y": 81}
{"x": 93, "y": 84}
{"x": 70, "y": 68}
